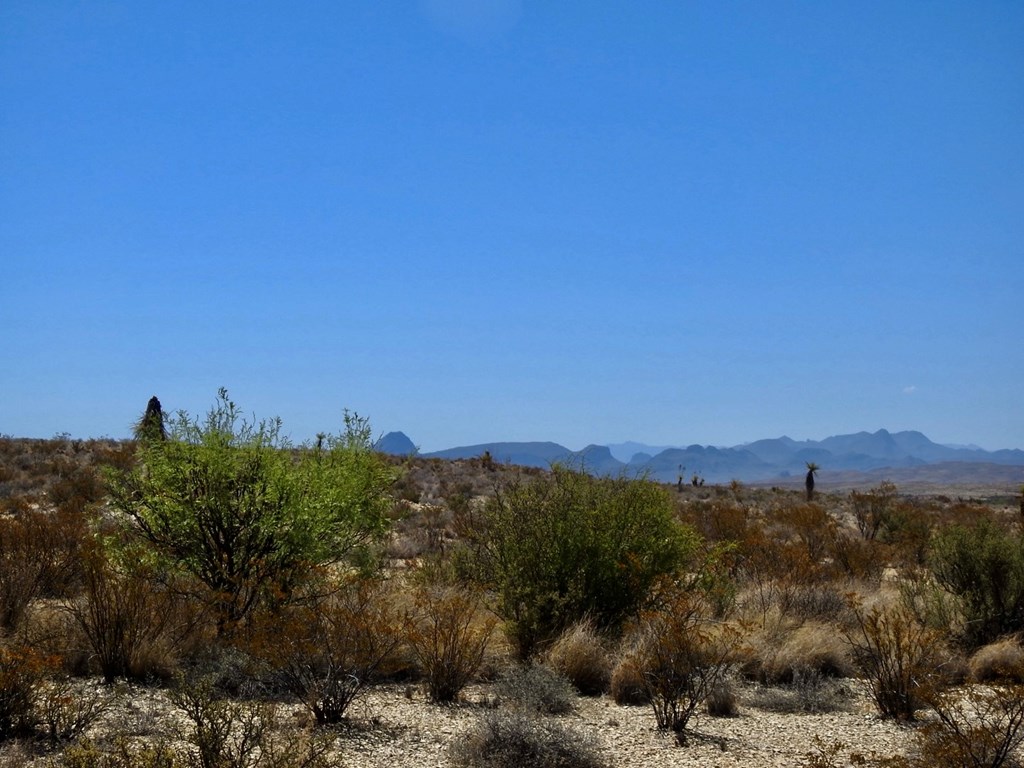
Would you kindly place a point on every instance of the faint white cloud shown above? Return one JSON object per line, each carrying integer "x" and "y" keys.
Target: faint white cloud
{"x": 909, "y": 390}
{"x": 474, "y": 21}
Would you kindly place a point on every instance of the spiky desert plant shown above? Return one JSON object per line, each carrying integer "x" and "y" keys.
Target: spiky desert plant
{"x": 150, "y": 427}
{"x": 812, "y": 469}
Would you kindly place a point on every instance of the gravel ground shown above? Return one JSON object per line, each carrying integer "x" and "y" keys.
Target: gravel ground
{"x": 393, "y": 726}
{"x": 402, "y": 733}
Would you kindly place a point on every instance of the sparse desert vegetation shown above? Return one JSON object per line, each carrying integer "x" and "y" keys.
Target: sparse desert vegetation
{"x": 209, "y": 595}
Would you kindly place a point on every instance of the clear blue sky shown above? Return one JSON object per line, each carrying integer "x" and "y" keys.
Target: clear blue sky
{"x": 477, "y": 220}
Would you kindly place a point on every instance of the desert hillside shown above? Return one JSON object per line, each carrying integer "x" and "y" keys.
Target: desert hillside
{"x": 475, "y": 621}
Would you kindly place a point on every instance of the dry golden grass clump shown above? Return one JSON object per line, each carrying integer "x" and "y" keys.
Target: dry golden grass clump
{"x": 626, "y": 685}
{"x": 581, "y": 655}
{"x": 789, "y": 654}
{"x": 1000, "y": 661}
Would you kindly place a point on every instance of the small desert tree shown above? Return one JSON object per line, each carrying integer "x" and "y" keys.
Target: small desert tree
{"x": 231, "y": 504}
{"x": 567, "y": 546}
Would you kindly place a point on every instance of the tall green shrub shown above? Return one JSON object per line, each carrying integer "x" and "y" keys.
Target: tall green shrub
{"x": 232, "y": 504}
{"x": 983, "y": 566}
{"x": 567, "y": 546}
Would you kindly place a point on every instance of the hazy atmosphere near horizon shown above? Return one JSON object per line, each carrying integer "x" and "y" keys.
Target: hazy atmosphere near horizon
{"x": 482, "y": 220}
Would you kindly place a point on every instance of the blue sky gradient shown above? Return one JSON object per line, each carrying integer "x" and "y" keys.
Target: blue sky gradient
{"x": 479, "y": 220}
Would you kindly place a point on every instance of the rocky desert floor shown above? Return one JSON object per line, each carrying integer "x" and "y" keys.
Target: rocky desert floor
{"x": 414, "y": 733}
{"x": 393, "y": 726}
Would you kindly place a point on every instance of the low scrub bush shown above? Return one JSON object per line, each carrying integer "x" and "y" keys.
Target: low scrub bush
{"x": 684, "y": 655}
{"x": 807, "y": 693}
{"x": 815, "y": 602}
{"x": 23, "y": 674}
{"x": 722, "y": 701}
{"x": 516, "y": 740}
{"x": 974, "y": 728}
{"x": 39, "y": 557}
{"x": 448, "y": 634}
{"x": 226, "y": 734}
{"x": 124, "y": 754}
{"x": 900, "y": 658}
{"x": 581, "y": 655}
{"x": 537, "y": 688}
{"x": 66, "y": 710}
{"x": 127, "y": 620}
{"x": 809, "y": 650}
{"x": 329, "y": 652}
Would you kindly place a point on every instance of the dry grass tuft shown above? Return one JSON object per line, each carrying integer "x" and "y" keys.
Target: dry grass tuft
{"x": 581, "y": 656}
{"x": 810, "y": 650}
{"x": 627, "y": 685}
{"x": 1001, "y": 661}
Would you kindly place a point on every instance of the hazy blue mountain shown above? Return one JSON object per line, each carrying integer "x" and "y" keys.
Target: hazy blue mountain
{"x": 878, "y": 444}
{"x": 395, "y": 443}
{"x": 625, "y": 452}
{"x": 762, "y": 460}
{"x": 524, "y": 454}
{"x": 596, "y": 459}
{"x": 714, "y": 465}
{"x": 779, "y": 450}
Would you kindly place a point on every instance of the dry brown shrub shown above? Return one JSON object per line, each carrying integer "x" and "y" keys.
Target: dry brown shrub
{"x": 131, "y": 624}
{"x": 718, "y": 520}
{"x": 39, "y": 556}
{"x": 227, "y": 734}
{"x": 328, "y": 652}
{"x": 67, "y": 708}
{"x": 76, "y": 489}
{"x": 722, "y": 701}
{"x": 978, "y": 727}
{"x": 23, "y": 673}
{"x": 515, "y": 739}
{"x": 999, "y": 661}
{"x": 449, "y": 634}
{"x": 581, "y": 655}
{"x": 684, "y": 654}
{"x": 900, "y": 658}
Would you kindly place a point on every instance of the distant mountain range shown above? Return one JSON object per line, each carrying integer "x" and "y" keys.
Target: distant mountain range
{"x": 761, "y": 461}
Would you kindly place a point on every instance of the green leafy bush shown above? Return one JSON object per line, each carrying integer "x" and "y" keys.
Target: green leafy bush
{"x": 232, "y": 505}
{"x": 983, "y": 566}
{"x": 566, "y": 546}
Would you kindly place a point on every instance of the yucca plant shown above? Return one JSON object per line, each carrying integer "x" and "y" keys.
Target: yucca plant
{"x": 812, "y": 469}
